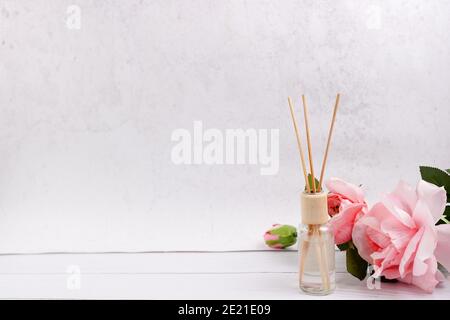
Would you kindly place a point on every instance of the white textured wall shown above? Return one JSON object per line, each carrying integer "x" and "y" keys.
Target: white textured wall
{"x": 86, "y": 115}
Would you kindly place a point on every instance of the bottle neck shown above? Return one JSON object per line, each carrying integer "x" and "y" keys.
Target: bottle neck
{"x": 314, "y": 208}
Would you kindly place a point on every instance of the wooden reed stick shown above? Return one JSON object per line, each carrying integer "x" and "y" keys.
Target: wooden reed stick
{"x": 320, "y": 259}
{"x": 299, "y": 145}
{"x": 308, "y": 139}
{"x": 330, "y": 132}
{"x": 324, "y": 260}
{"x": 304, "y": 250}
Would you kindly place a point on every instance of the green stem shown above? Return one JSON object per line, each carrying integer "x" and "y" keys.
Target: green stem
{"x": 444, "y": 219}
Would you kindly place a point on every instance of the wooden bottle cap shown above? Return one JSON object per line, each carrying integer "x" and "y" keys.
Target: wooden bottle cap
{"x": 314, "y": 208}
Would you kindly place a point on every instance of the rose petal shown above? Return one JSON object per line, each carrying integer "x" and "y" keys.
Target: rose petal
{"x": 428, "y": 280}
{"x": 345, "y": 189}
{"x": 442, "y": 251}
{"x": 425, "y": 251}
{"x": 397, "y": 231}
{"x": 401, "y": 215}
{"x": 409, "y": 253}
{"x": 422, "y": 215}
{"x": 378, "y": 237}
{"x": 385, "y": 259}
{"x": 391, "y": 273}
{"x": 361, "y": 241}
{"x": 334, "y": 204}
{"x": 434, "y": 197}
{"x": 404, "y": 197}
{"x": 343, "y": 223}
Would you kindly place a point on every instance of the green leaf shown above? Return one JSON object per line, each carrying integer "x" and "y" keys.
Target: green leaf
{"x": 343, "y": 246}
{"x": 310, "y": 181}
{"x": 436, "y": 176}
{"x": 446, "y": 216}
{"x": 448, "y": 171}
{"x": 356, "y": 265}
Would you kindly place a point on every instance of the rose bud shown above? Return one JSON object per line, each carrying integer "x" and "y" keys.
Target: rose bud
{"x": 280, "y": 236}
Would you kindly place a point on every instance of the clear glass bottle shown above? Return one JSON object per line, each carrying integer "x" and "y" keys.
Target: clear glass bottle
{"x": 316, "y": 246}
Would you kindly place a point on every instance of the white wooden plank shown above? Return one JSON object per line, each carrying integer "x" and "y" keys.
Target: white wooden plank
{"x": 226, "y": 275}
{"x": 173, "y": 262}
{"x": 195, "y": 286}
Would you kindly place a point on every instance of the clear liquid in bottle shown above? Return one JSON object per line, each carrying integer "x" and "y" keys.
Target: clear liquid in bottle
{"x": 317, "y": 259}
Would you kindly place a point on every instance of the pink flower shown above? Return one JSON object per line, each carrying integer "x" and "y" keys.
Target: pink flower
{"x": 334, "y": 203}
{"x": 346, "y": 205}
{"x": 399, "y": 238}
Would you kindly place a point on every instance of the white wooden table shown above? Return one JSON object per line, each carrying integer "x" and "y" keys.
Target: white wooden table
{"x": 179, "y": 275}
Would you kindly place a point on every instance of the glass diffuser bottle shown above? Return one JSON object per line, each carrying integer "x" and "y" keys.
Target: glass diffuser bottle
{"x": 316, "y": 246}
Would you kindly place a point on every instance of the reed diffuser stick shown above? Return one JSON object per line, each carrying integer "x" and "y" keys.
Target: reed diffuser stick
{"x": 326, "y": 264}
{"x": 304, "y": 249}
{"x": 330, "y": 132}
{"x": 299, "y": 145}
{"x": 308, "y": 139}
{"x": 321, "y": 258}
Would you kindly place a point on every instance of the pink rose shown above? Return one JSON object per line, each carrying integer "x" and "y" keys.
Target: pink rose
{"x": 334, "y": 203}
{"x": 346, "y": 205}
{"x": 399, "y": 238}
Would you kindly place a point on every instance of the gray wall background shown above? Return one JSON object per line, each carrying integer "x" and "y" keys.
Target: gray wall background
{"x": 86, "y": 114}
